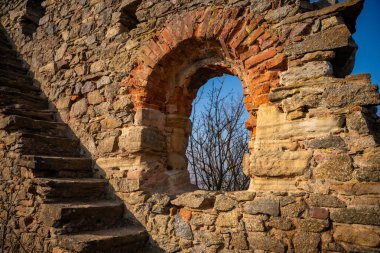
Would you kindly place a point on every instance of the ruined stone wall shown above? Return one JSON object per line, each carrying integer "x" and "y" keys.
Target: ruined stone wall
{"x": 123, "y": 74}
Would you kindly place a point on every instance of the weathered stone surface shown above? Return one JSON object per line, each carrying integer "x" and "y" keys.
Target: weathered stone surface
{"x": 280, "y": 223}
{"x": 259, "y": 241}
{"x": 312, "y": 225}
{"x": 286, "y": 163}
{"x": 306, "y": 242}
{"x": 308, "y": 71}
{"x": 228, "y": 219}
{"x": 254, "y": 223}
{"x": 136, "y": 138}
{"x": 198, "y": 199}
{"x": 319, "y": 200}
{"x": 182, "y": 229}
{"x": 331, "y": 141}
{"x": 356, "y": 235}
{"x": 224, "y": 203}
{"x": 365, "y": 216}
{"x": 263, "y": 206}
{"x": 79, "y": 108}
{"x": 338, "y": 167}
{"x": 335, "y": 37}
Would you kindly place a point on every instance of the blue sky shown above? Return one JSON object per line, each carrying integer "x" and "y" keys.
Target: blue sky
{"x": 367, "y": 37}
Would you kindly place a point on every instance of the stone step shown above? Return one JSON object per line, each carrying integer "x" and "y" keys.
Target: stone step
{"x": 61, "y": 167}
{"x": 13, "y": 66}
{"x": 46, "y": 115}
{"x": 50, "y": 128}
{"x": 54, "y": 190}
{"x": 36, "y": 144}
{"x": 4, "y": 44}
{"x": 6, "y": 99}
{"x": 74, "y": 217}
{"x": 8, "y": 52}
{"x": 130, "y": 239}
{"x": 23, "y": 83}
{"x": 11, "y": 93}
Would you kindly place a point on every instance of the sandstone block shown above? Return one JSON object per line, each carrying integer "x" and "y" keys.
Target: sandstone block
{"x": 310, "y": 70}
{"x": 228, "y": 219}
{"x": 332, "y": 38}
{"x": 137, "y": 138}
{"x": 356, "y": 235}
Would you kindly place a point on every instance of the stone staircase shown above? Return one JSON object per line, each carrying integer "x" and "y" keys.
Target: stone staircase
{"x": 75, "y": 207}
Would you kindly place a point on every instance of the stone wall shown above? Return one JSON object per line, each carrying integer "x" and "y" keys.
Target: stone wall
{"x": 123, "y": 74}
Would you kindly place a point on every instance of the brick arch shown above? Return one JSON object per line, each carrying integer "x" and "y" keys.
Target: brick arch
{"x": 205, "y": 43}
{"x": 170, "y": 67}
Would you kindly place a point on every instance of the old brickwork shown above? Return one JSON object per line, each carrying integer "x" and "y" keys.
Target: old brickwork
{"x": 108, "y": 85}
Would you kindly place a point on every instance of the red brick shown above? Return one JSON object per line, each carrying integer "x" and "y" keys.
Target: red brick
{"x": 278, "y": 62}
{"x": 201, "y": 30}
{"x": 261, "y": 89}
{"x": 218, "y": 27}
{"x": 216, "y": 16}
{"x": 251, "y": 122}
{"x": 260, "y": 100}
{"x": 253, "y": 50}
{"x": 238, "y": 38}
{"x": 265, "y": 55}
{"x": 266, "y": 35}
{"x": 319, "y": 213}
{"x": 254, "y": 35}
{"x": 269, "y": 42}
{"x": 185, "y": 214}
{"x": 267, "y": 76}
{"x": 167, "y": 37}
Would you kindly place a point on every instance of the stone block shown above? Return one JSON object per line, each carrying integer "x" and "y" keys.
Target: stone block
{"x": 337, "y": 167}
{"x": 228, "y": 219}
{"x": 362, "y": 215}
{"x": 224, "y": 203}
{"x": 330, "y": 141}
{"x": 336, "y": 37}
{"x": 260, "y": 241}
{"x": 312, "y": 225}
{"x": 310, "y": 70}
{"x": 280, "y": 223}
{"x": 182, "y": 229}
{"x": 306, "y": 242}
{"x": 357, "y": 235}
{"x": 263, "y": 206}
{"x": 319, "y": 200}
{"x": 141, "y": 139}
{"x": 254, "y": 223}
{"x": 282, "y": 163}
{"x": 195, "y": 200}
{"x": 150, "y": 118}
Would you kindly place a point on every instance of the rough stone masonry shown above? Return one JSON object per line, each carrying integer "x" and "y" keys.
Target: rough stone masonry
{"x": 95, "y": 98}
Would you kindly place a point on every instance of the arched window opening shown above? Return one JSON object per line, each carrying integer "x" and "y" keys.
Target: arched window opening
{"x": 219, "y": 138}
{"x": 30, "y": 20}
{"x": 128, "y": 18}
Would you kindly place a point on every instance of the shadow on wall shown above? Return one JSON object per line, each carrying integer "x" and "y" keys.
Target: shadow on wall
{"x": 26, "y": 112}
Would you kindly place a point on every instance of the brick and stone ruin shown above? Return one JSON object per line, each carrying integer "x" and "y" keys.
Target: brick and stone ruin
{"x": 95, "y": 98}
